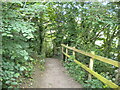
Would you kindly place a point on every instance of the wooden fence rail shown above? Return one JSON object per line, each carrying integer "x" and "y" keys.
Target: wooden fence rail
{"x": 90, "y": 70}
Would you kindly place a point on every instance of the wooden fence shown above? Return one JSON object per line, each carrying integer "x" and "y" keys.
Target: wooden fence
{"x": 90, "y": 68}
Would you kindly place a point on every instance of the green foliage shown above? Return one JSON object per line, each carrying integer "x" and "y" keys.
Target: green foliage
{"x": 19, "y": 36}
{"x": 14, "y": 72}
{"x": 94, "y": 83}
{"x": 75, "y": 71}
{"x": 81, "y": 75}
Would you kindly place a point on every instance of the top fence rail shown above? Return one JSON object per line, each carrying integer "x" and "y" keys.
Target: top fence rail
{"x": 103, "y": 59}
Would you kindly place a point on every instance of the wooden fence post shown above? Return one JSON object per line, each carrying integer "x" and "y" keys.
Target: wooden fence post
{"x": 117, "y": 79}
{"x": 66, "y": 53}
{"x": 91, "y": 66}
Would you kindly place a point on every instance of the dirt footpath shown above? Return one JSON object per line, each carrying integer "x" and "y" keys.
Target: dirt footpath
{"x": 54, "y": 76}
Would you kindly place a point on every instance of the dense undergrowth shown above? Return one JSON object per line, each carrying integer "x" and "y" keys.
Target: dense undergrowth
{"x": 20, "y": 45}
{"x": 81, "y": 76}
{"x": 15, "y": 73}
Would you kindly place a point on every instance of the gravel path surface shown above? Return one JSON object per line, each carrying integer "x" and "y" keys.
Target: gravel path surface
{"x": 54, "y": 76}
